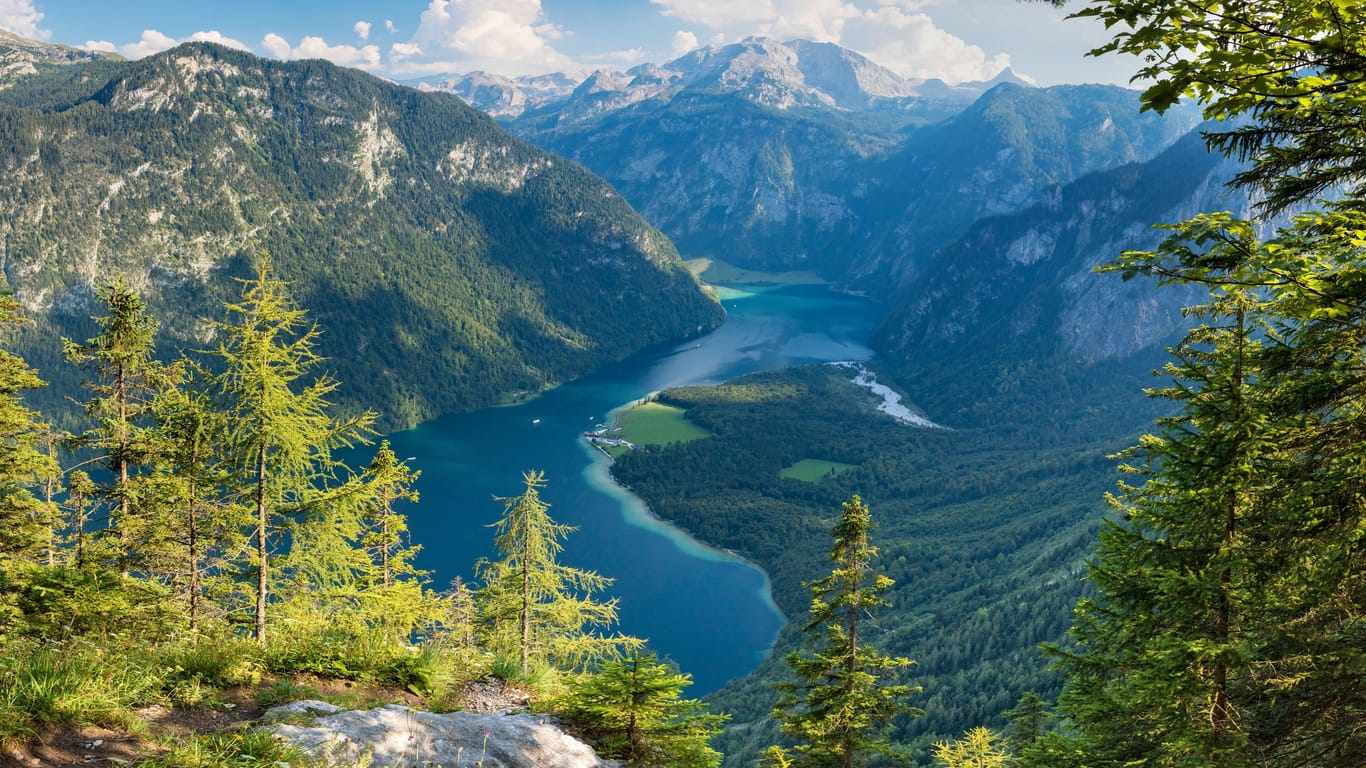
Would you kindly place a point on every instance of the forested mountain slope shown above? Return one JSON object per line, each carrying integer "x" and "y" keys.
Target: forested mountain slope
{"x": 807, "y": 156}
{"x": 450, "y": 263}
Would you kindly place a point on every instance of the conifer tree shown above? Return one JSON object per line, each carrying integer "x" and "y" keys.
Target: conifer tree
{"x": 1161, "y": 652}
{"x": 979, "y": 748}
{"x": 24, "y": 524}
{"x": 537, "y": 608}
{"x": 389, "y": 480}
{"x": 189, "y": 481}
{"x": 125, "y": 378}
{"x": 630, "y": 710}
{"x": 843, "y": 700}
{"x": 280, "y": 433}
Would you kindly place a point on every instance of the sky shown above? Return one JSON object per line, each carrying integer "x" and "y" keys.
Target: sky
{"x": 954, "y": 40}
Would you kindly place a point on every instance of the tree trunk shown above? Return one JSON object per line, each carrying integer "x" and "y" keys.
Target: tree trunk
{"x": 261, "y": 521}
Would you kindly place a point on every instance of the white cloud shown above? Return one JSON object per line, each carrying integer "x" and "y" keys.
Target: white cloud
{"x": 21, "y": 18}
{"x": 623, "y": 59}
{"x": 362, "y": 30}
{"x": 313, "y": 47}
{"x": 154, "y": 41}
{"x": 214, "y": 36}
{"x": 913, "y": 46}
{"x": 389, "y": 26}
{"x": 684, "y": 42}
{"x": 507, "y": 36}
{"x": 894, "y": 33}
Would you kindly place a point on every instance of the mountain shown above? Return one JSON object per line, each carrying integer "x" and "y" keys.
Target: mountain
{"x": 34, "y": 72}
{"x": 1014, "y": 311}
{"x": 21, "y": 57}
{"x": 448, "y": 263}
{"x": 783, "y": 75}
{"x": 1009, "y": 151}
{"x": 862, "y": 197}
{"x": 501, "y": 96}
{"x": 802, "y": 155}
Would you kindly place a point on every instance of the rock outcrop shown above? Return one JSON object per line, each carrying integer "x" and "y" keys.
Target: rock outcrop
{"x": 396, "y": 736}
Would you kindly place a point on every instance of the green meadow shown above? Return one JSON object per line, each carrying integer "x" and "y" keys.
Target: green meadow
{"x": 814, "y": 470}
{"x": 655, "y": 423}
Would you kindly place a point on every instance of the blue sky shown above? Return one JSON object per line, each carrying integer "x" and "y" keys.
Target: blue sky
{"x": 404, "y": 39}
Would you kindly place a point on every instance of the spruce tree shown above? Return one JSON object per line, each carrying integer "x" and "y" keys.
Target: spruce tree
{"x": 281, "y": 433}
{"x": 843, "y": 700}
{"x": 125, "y": 379}
{"x": 631, "y": 710}
{"x": 24, "y": 525}
{"x": 536, "y": 608}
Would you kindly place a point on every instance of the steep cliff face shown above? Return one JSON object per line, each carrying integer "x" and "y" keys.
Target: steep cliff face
{"x": 1016, "y": 303}
{"x": 448, "y": 262}
{"x": 1006, "y": 153}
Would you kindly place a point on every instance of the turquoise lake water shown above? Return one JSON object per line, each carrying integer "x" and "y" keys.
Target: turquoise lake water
{"x": 706, "y": 609}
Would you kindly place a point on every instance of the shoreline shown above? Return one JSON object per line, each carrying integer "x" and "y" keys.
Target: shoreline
{"x": 637, "y": 512}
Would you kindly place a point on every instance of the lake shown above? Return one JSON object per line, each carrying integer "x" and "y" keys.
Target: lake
{"x": 707, "y": 610}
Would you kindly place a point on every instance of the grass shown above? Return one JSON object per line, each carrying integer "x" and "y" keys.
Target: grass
{"x": 814, "y": 470}
{"x": 657, "y": 424}
{"x": 219, "y": 750}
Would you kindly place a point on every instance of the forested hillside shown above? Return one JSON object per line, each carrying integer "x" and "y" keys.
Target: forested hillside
{"x": 451, "y": 264}
{"x": 983, "y": 529}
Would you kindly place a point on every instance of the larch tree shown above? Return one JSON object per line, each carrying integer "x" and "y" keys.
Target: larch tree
{"x": 979, "y": 748}
{"x": 536, "y": 608}
{"x": 844, "y": 698}
{"x": 389, "y": 480}
{"x": 281, "y": 433}
{"x": 189, "y": 479}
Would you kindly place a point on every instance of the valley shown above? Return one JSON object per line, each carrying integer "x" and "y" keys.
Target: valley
{"x": 637, "y": 347}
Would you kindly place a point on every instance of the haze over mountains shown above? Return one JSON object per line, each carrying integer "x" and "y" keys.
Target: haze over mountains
{"x": 802, "y": 155}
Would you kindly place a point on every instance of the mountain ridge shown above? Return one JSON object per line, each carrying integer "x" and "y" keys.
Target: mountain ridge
{"x": 495, "y": 267}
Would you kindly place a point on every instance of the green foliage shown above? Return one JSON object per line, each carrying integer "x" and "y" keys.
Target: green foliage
{"x": 1208, "y": 641}
{"x": 1291, "y": 66}
{"x": 280, "y": 440}
{"x": 994, "y": 521}
{"x": 843, "y": 702}
{"x": 535, "y": 608}
{"x": 220, "y": 750}
{"x": 630, "y": 709}
{"x": 51, "y": 684}
{"x": 25, "y": 524}
{"x": 979, "y": 748}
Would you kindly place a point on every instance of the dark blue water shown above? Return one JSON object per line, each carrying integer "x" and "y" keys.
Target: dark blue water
{"x": 709, "y": 611}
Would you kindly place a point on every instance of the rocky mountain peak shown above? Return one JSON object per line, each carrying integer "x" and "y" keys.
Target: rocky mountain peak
{"x": 21, "y": 57}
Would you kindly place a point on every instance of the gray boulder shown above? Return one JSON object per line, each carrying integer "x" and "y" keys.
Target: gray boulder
{"x": 396, "y": 736}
